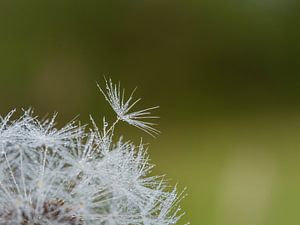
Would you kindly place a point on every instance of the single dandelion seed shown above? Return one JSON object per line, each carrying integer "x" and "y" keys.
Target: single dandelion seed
{"x": 122, "y": 106}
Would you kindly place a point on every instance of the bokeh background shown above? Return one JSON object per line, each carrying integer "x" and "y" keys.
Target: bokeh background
{"x": 225, "y": 73}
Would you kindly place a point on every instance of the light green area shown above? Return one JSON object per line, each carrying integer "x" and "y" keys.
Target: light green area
{"x": 238, "y": 172}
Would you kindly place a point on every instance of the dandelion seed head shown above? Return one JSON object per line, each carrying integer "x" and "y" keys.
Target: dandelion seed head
{"x": 75, "y": 176}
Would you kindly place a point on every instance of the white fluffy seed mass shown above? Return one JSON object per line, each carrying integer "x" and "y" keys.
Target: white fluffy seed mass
{"x": 71, "y": 176}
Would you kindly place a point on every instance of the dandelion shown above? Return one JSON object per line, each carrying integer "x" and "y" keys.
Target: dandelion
{"x": 71, "y": 176}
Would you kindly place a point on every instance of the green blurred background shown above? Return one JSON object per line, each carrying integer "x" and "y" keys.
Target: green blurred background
{"x": 225, "y": 73}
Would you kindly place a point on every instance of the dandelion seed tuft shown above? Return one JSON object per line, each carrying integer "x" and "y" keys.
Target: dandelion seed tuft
{"x": 122, "y": 106}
